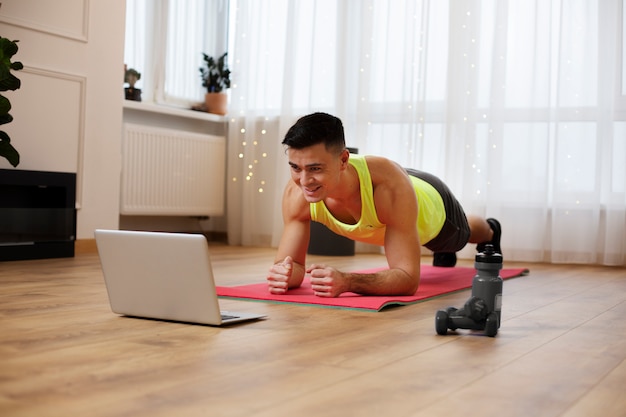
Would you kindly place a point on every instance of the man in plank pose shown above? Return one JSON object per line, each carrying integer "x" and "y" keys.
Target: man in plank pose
{"x": 369, "y": 199}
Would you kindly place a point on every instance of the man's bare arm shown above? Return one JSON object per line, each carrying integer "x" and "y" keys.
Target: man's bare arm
{"x": 397, "y": 207}
{"x": 288, "y": 269}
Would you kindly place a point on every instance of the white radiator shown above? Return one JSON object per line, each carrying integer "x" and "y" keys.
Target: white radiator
{"x": 171, "y": 172}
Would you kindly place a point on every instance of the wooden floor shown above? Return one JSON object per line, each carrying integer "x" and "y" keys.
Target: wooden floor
{"x": 560, "y": 351}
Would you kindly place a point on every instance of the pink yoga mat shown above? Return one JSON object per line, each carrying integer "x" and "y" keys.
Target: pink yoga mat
{"x": 435, "y": 281}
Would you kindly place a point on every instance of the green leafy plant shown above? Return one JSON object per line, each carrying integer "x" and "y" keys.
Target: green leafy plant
{"x": 215, "y": 74}
{"x": 8, "y": 81}
{"x": 131, "y": 76}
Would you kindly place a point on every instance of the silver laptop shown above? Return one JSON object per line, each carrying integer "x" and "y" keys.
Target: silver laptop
{"x": 166, "y": 276}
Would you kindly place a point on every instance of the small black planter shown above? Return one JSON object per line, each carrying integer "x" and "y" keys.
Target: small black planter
{"x": 132, "y": 93}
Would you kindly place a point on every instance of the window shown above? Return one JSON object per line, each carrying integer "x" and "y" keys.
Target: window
{"x": 165, "y": 40}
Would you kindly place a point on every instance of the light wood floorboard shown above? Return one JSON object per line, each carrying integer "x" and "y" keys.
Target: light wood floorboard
{"x": 560, "y": 351}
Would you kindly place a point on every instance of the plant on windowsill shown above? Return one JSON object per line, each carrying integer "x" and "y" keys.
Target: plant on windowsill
{"x": 131, "y": 76}
{"x": 215, "y": 77}
{"x": 8, "y": 81}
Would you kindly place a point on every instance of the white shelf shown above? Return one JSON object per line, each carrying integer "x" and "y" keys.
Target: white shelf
{"x": 174, "y": 111}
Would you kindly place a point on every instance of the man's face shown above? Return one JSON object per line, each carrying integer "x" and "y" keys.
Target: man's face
{"x": 315, "y": 170}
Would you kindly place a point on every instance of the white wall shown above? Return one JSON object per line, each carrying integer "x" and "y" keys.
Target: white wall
{"x": 68, "y": 113}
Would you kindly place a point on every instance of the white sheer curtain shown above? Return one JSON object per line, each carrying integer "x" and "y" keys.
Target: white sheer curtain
{"x": 518, "y": 105}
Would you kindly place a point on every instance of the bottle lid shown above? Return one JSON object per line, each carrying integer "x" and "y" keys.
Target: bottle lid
{"x": 489, "y": 255}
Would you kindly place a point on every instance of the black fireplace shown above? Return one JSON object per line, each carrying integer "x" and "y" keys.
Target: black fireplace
{"x": 37, "y": 214}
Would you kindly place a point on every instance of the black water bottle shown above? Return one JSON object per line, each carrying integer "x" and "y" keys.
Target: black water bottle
{"x": 487, "y": 284}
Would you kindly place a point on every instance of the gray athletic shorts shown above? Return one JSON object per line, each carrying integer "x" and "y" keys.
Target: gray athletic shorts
{"x": 455, "y": 232}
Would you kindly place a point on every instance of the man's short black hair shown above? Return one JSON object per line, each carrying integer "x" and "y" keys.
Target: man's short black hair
{"x": 316, "y": 128}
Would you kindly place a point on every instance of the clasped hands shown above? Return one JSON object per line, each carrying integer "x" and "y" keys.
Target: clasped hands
{"x": 325, "y": 281}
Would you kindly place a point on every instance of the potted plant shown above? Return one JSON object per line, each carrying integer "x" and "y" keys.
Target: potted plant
{"x": 8, "y": 81}
{"x": 215, "y": 77}
{"x": 131, "y": 76}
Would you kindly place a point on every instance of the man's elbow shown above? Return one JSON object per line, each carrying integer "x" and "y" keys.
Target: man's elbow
{"x": 413, "y": 291}
{"x": 405, "y": 283}
{"x": 412, "y": 287}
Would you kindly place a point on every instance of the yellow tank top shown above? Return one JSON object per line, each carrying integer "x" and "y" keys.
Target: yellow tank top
{"x": 430, "y": 219}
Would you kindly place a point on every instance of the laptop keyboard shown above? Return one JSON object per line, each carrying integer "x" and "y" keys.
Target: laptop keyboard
{"x": 229, "y": 317}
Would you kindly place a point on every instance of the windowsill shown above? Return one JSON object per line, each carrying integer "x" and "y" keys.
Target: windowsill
{"x": 174, "y": 111}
